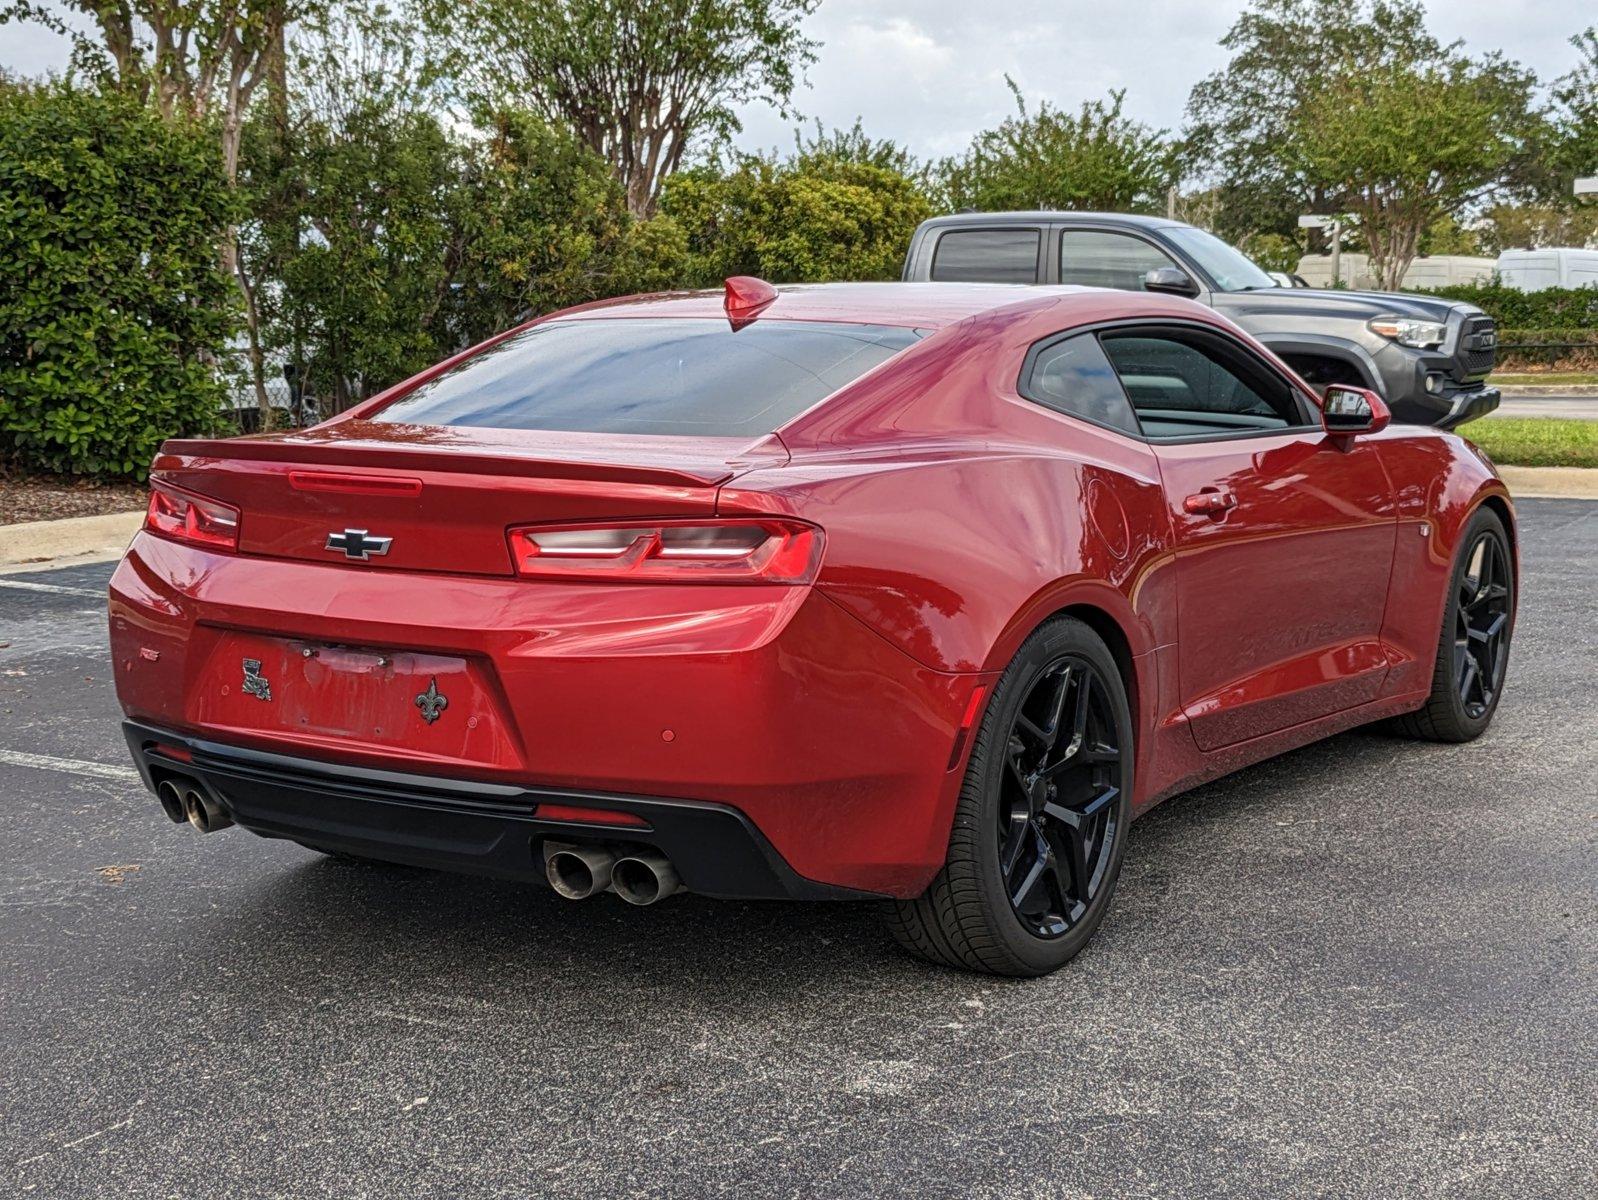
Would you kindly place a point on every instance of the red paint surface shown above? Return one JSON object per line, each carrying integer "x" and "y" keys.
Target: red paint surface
{"x": 956, "y": 517}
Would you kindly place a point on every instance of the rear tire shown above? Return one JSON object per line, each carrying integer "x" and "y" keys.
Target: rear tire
{"x": 1473, "y": 646}
{"x": 1041, "y": 824}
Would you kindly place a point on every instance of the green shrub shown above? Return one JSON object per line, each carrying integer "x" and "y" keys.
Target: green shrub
{"x": 1555, "y": 308}
{"x": 113, "y": 306}
{"x": 841, "y": 207}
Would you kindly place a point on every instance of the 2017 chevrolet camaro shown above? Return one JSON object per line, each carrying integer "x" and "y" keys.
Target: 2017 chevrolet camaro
{"x": 910, "y": 591}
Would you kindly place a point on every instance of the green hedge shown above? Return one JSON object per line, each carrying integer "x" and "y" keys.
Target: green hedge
{"x": 112, "y": 302}
{"x": 1555, "y": 308}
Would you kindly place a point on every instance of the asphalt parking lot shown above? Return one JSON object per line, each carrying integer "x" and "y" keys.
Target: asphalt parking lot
{"x": 1368, "y": 969}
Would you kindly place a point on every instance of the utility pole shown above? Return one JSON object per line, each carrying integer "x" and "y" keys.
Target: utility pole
{"x": 1334, "y": 230}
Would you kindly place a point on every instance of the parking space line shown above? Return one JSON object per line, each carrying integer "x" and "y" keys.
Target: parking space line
{"x": 73, "y": 766}
{"x": 58, "y": 589}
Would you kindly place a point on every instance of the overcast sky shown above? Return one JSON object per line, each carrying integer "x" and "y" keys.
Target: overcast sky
{"x": 930, "y": 73}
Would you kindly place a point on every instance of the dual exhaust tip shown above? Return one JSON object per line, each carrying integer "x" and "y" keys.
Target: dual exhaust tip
{"x": 182, "y": 800}
{"x": 640, "y": 877}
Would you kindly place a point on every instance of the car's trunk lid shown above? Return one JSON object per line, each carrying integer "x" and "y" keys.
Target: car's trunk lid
{"x": 444, "y": 496}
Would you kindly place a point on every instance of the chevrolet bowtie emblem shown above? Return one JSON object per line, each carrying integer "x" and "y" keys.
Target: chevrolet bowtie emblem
{"x": 358, "y": 543}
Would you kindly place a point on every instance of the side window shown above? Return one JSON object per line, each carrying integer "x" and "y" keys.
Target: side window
{"x": 1108, "y": 260}
{"x": 987, "y": 256}
{"x": 1183, "y": 384}
{"x": 1073, "y": 376}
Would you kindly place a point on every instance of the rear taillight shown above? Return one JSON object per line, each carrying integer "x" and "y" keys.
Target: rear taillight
{"x": 755, "y": 550}
{"x": 185, "y": 517}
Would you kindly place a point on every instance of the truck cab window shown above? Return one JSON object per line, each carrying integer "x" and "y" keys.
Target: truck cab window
{"x": 987, "y": 256}
{"x": 1109, "y": 260}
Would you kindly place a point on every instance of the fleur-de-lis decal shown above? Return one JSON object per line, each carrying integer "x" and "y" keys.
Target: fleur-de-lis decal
{"x": 432, "y": 702}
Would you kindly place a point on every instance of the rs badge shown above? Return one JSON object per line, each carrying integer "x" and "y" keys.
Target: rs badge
{"x": 256, "y": 684}
{"x": 432, "y": 702}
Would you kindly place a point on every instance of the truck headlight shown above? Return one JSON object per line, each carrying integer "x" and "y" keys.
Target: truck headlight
{"x": 1410, "y": 331}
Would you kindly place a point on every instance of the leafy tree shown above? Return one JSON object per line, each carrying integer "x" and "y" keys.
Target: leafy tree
{"x": 1097, "y": 158}
{"x": 547, "y": 225}
{"x": 1246, "y": 124}
{"x": 841, "y": 206}
{"x": 636, "y": 80}
{"x": 1576, "y": 117}
{"x": 385, "y": 240}
{"x": 1405, "y": 147}
{"x": 195, "y": 60}
{"x": 1533, "y": 226}
{"x": 113, "y": 307}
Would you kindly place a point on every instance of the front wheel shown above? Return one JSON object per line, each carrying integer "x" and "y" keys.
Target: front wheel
{"x": 1473, "y": 650}
{"x": 1041, "y": 824}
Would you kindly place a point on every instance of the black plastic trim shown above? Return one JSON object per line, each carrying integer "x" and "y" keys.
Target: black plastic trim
{"x": 465, "y": 825}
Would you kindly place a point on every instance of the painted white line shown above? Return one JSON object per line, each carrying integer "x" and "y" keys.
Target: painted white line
{"x": 73, "y": 766}
{"x": 24, "y": 586}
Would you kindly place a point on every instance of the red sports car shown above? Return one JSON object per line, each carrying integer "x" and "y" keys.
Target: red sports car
{"x": 910, "y": 591}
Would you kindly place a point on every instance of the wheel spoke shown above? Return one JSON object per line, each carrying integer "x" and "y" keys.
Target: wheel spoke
{"x": 1017, "y": 834}
{"x": 1030, "y": 881}
{"x": 1468, "y": 677}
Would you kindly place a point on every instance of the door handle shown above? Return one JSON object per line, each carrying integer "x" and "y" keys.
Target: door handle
{"x": 1210, "y": 502}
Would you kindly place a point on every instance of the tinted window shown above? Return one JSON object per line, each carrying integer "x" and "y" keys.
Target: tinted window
{"x": 987, "y": 256}
{"x": 1109, "y": 260}
{"x": 1182, "y": 385}
{"x": 1073, "y": 376}
{"x": 691, "y": 377}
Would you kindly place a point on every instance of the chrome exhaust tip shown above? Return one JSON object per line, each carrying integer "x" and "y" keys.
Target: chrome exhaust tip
{"x": 204, "y": 814}
{"x": 171, "y": 797}
{"x": 644, "y": 878}
{"x": 577, "y": 872}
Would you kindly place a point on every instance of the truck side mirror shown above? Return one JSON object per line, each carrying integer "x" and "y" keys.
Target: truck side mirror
{"x": 1170, "y": 281}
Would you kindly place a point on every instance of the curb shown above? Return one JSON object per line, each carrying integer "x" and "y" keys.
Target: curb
{"x": 1551, "y": 483}
{"x": 1512, "y": 391}
{"x": 44, "y": 542}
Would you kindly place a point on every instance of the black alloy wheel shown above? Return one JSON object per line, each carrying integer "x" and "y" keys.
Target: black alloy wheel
{"x": 1481, "y": 627}
{"x": 1058, "y": 820}
{"x": 1473, "y": 649}
{"x": 1041, "y": 824}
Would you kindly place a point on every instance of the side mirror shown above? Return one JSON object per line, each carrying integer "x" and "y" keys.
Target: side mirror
{"x": 1347, "y": 410}
{"x": 1170, "y": 281}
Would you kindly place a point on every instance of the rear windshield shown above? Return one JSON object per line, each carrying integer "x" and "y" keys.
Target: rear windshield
{"x": 691, "y": 377}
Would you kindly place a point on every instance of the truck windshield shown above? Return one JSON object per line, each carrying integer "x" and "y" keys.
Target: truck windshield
{"x": 1231, "y": 269}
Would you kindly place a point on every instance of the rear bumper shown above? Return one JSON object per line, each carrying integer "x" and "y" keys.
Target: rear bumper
{"x": 773, "y": 704}
{"x": 463, "y": 825}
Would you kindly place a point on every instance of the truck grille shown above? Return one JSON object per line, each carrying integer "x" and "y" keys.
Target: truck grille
{"x": 1478, "y": 346}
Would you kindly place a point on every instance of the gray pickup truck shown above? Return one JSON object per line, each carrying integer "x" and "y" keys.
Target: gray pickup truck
{"x": 1429, "y": 358}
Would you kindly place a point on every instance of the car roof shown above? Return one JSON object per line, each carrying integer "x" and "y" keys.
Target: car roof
{"x": 908, "y": 305}
{"x": 1050, "y": 216}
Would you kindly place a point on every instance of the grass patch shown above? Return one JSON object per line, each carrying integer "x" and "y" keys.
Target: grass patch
{"x": 1550, "y": 378}
{"x": 1536, "y": 441}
